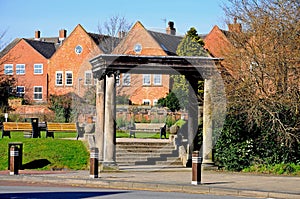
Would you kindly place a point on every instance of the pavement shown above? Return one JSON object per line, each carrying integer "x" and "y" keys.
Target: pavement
{"x": 169, "y": 180}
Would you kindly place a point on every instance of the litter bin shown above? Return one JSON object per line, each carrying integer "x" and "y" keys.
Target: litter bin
{"x": 20, "y": 147}
{"x": 35, "y": 127}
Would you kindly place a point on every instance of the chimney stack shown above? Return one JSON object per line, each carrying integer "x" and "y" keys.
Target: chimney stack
{"x": 62, "y": 34}
{"x": 37, "y": 35}
{"x": 235, "y": 27}
{"x": 121, "y": 34}
{"x": 170, "y": 29}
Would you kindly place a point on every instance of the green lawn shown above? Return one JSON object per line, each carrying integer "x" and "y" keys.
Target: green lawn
{"x": 58, "y": 153}
{"x": 47, "y": 153}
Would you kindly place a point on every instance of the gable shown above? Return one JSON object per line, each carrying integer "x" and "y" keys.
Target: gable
{"x": 21, "y": 51}
{"x": 78, "y": 37}
{"x": 216, "y": 42}
{"x": 10, "y": 46}
{"x": 138, "y": 35}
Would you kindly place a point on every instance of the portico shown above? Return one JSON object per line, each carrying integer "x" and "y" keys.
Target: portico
{"x": 106, "y": 68}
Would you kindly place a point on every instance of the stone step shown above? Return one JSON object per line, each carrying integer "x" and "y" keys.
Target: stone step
{"x": 125, "y": 159}
{"x": 144, "y": 153}
{"x": 133, "y": 151}
{"x": 145, "y": 161}
{"x": 169, "y": 162}
{"x": 145, "y": 146}
{"x": 137, "y": 154}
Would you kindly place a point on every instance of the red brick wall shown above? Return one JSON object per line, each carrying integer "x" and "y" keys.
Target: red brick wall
{"x": 23, "y": 53}
{"x": 65, "y": 59}
{"x": 219, "y": 45}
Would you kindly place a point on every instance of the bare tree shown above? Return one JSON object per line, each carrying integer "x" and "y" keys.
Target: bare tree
{"x": 267, "y": 64}
{"x": 6, "y": 81}
{"x": 114, "y": 29}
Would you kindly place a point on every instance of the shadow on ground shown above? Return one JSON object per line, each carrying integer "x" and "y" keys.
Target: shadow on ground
{"x": 36, "y": 164}
{"x": 51, "y": 195}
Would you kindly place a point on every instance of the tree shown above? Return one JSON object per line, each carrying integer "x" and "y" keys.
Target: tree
{"x": 191, "y": 45}
{"x": 62, "y": 106}
{"x": 170, "y": 101}
{"x": 114, "y": 29}
{"x": 6, "y": 81}
{"x": 265, "y": 93}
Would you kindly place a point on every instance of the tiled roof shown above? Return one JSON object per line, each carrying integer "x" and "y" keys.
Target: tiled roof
{"x": 46, "y": 49}
{"x": 47, "y": 39}
{"x": 168, "y": 43}
{"x": 105, "y": 43}
{"x": 229, "y": 35}
{"x": 96, "y": 37}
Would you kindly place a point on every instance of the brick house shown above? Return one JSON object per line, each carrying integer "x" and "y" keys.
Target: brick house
{"x": 146, "y": 88}
{"x": 218, "y": 42}
{"x": 27, "y": 61}
{"x": 69, "y": 68}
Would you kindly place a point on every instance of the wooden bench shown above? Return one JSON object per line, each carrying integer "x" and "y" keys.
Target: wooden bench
{"x": 15, "y": 126}
{"x": 148, "y": 127}
{"x": 63, "y": 127}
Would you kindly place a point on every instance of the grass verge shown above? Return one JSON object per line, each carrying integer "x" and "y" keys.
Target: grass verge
{"x": 47, "y": 153}
{"x": 276, "y": 169}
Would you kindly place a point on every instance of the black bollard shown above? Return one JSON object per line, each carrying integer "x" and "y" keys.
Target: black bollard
{"x": 94, "y": 156}
{"x": 196, "y": 168}
{"x": 14, "y": 160}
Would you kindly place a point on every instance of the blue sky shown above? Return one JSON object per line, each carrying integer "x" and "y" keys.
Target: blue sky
{"x": 20, "y": 18}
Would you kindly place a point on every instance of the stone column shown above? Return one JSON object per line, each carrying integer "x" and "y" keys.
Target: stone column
{"x": 99, "y": 128}
{"x": 207, "y": 125}
{"x": 109, "y": 124}
{"x": 192, "y": 118}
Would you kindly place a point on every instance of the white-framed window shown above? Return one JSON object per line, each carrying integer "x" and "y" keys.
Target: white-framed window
{"x": 38, "y": 69}
{"x": 126, "y": 79}
{"x": 69, "y": 78}
{"x": 8, "y": 69}
{"x": 88, "y": 77}
{"x": 37, "y": 92}
{"x": 155, "y": 101}
{"x": 20, "y": 90}
{"x": 157, "y": 79}
{"x": 59, "y": 78}
{"x": 146, "y": 79}
{"x": 20, "y": 69}
{"x": 146, "y": 102}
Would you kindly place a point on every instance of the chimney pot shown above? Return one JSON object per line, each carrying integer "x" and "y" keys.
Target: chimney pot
{"x": 170, "y": 29}
{"x": 37, "y": 35}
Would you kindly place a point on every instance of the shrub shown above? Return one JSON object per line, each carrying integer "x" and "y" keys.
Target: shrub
{"x": 238, "y": 147}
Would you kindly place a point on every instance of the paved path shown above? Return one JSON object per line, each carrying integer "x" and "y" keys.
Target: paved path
{"x": 171, "y": 179}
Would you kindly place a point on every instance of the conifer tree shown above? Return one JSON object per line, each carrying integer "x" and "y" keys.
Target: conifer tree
{"x": 191, "y": 45}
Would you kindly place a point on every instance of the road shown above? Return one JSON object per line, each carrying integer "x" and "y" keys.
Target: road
{"x": 19, "y": 190}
